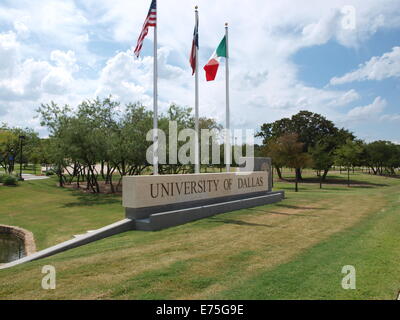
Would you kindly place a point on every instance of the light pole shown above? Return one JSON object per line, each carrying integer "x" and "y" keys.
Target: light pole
{"x": 20, "y": 158}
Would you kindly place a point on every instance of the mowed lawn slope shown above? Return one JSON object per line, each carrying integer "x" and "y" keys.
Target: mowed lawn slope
{"x": 290, "y": 250}
{"x": 55, "y": 214}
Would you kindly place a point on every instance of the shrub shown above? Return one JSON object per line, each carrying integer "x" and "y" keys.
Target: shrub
{"x": 2, "y": 177}
{"x": 9, "y": 180}
{"x": 50, "y": 173}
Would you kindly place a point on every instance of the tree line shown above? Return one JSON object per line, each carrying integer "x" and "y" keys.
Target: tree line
{"x": 11, "y": 140}
{"x": 102, "y": 140}
{"x": 309, "y": 140}
{"x": 104, "y": 133}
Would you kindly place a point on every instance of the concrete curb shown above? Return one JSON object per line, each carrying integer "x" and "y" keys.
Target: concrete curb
{"x": 112, "y": 229}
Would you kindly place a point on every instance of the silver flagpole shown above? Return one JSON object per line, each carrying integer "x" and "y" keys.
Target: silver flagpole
{"x": 196, "y": 110}
{"x": 227, "y": 125}
{"x": 155, "y": 106}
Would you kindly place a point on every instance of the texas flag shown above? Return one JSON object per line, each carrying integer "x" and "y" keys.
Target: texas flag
{"x": 195, "y": 46}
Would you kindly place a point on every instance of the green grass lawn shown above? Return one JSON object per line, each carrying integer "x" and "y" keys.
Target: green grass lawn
{"x": 294, "y": 249}
{"x": 31, "y": 168}
{"x": 54, "y": 214}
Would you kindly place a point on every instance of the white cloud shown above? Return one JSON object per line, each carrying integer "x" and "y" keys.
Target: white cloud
{"x": 263, "y": 77}
{"x": 390, "y": 117}
{"x": 345, "y": 99}
{"x": 57, "y": 48}
{"x": 21, "y": 29}
{"x": 118, "y": 77}
{"x": 349, "y": 96}
{"x": 47, "y": 25}
{"x": 28, "y": 79}
{"x": 61, "y": 21}
{"x": 9, "y": 50}
{"x": 367, "y": 112}
{"x": 57, "y": 81}
{"x": 377, "y": 68}
{"x": 65, "y": 60}
{"x": 129, "y": 79}
{"x": 325, "y": 28}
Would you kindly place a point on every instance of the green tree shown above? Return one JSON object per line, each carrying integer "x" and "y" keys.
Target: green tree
{"x": 348, "y": 155}
{"x": 321, "y": 159}
{"x": 128, "y": 143}
{"x": 288, "y": 151}
{"x": 100, "y": 137}
{"x": 8, "y": 149}
{"x": 311, "y": 128}
{"x": 382, "y": 157}
{"x": 272, "y": 149}
{"x": 10, "y": 146}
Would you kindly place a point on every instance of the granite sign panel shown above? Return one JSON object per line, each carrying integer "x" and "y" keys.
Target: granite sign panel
{"x": 148, "y": 191}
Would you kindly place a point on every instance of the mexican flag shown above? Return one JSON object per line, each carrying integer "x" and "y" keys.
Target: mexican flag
{"x": 212, "y": 65}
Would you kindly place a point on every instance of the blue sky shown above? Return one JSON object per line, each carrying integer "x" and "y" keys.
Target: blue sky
{"x": 319, "y": 64}
{"x": 340, "y": 59}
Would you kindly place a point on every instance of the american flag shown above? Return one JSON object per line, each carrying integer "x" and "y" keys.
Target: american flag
{"x": 151, "y": 21}
{"x": 195, "y": 45}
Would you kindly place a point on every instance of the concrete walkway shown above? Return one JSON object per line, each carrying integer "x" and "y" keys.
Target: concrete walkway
{"x": 28, "y": 176}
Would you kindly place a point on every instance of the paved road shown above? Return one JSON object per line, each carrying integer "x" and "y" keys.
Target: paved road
{"x": 28, "y": 176}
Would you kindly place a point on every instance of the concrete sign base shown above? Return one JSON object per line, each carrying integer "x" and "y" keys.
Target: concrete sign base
{"x": 162, "y": 220}
{"x": 158, "y": 202}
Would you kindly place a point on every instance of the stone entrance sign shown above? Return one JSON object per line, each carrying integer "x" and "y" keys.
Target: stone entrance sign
{"x": 158, "y": 202}
{"x": 148, "y": 191}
